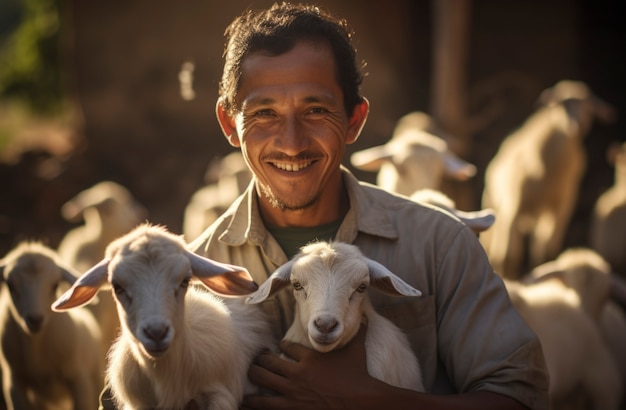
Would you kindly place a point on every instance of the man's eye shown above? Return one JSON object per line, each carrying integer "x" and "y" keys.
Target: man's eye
{"x": 263, "y": 113}
{"x": 318, "y": 110}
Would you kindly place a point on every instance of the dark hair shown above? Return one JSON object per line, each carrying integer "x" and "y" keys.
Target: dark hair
{"x": 276, "y": 30}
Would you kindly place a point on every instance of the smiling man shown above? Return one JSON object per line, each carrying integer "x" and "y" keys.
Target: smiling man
{"x": 292, "y": 128}
{"x": 290, "y": 100}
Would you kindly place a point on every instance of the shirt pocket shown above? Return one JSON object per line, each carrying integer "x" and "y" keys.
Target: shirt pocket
{"x": 417, "y": 319}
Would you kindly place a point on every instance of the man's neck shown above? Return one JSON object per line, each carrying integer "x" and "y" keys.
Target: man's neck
{"x": 324, "y": 210}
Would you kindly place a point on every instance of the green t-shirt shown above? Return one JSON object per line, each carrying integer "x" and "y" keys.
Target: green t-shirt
{"x": 292, "y": 239}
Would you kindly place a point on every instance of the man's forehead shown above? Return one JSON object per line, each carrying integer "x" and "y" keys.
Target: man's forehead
{"x": 310, "y": 72}
{"x": 303, "y": 54}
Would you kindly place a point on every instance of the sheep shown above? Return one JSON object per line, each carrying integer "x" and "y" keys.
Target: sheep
{"x": 109, "y": 211}
{"x": 608, "y": 222}
{"x": 330, "y": 281}
{"x": 226, "y": 179}
{"x": 48, "y": 359}
{"x": 178, "y": 343}
{"x": 477, "y": 221}
{"x": 417, "y": 156}
{"x": 532, "y": 181}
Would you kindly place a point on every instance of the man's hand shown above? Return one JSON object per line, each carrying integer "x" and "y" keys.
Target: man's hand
{"x": 313, "y": 380}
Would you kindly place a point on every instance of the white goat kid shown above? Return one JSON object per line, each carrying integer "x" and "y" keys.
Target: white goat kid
{"x": 109, "y": 211}
{"x": 585, "y": 272}
{"x": 532, "y": 181}
{"x": 330, "y": 283}
{"x": 608, "y": 222}
{"x": 48, "y": 359}
{"x": 226, "y": 179}
{"x": 179, "y": 344}
{"x": 416, "y": 156}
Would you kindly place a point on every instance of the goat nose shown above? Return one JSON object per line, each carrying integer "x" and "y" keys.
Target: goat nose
{"x": 156, "y": 332}
{"x": 326, "y": 324}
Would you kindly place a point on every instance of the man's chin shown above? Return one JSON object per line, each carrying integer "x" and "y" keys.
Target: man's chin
{"x": 287, "y": 204}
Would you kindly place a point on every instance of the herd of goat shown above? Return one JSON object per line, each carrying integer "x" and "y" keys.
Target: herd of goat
{"x": 60, "y": 334}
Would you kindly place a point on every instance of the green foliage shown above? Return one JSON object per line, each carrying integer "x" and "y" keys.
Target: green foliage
{"x": 30, "y": 69}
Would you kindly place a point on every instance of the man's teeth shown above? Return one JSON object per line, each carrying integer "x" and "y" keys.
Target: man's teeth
{"x": 292, "y": 167}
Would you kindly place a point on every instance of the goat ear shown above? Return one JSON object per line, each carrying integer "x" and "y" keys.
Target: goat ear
{"x": 605, "y": 112}
{"x": 222, "y": 278}
{"x": 477, "y": 221}
{"x": 370, "y": 159}
{"x": 68, "y": 274}
{"x": 387, "y": 282}
{"x": 457, "y": 168}
{"x": 84, "y": 288}
{"x": 277, "y": 280}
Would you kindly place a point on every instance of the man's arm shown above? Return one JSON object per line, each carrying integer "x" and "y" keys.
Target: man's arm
{"x": 339, "y": 380}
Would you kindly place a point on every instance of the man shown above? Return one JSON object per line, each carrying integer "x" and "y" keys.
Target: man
{"x": 289, "y": 99}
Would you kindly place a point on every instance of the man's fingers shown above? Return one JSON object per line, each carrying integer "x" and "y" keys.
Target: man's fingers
{"x": 294, "y": 351}
{"x": 271, "y": 373}
{"x": 260, "y": 375}
{"x": 274, "y": 363}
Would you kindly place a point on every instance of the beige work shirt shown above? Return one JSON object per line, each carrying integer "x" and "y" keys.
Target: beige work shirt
{"x": 464, "y": 329}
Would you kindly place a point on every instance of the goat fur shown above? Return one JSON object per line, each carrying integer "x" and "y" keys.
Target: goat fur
{"x": 532, "y": 181}
{"x": 48, "y": 359}
{"x": 330, "y": 281}
{"x": 178, "y": 344}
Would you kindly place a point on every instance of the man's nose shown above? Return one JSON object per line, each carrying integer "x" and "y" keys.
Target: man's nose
{"x": 293, "y": 139}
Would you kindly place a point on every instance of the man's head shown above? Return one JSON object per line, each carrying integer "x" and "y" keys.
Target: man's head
{"x": 276, "y": 31}
{"x": 290, "y": 100}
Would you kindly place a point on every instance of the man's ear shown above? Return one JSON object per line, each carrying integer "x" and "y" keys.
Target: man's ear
{"x": 357, "y": 121}
{"x": 227, "y": 124}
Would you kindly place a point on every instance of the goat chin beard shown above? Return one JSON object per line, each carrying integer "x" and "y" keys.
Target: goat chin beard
{"x": 153, "y": 353}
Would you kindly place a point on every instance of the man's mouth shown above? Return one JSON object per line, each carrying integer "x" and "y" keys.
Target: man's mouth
{"x": 291, "y": 167}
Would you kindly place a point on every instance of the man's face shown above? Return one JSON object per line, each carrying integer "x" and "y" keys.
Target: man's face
{"x": 292, "y": 126}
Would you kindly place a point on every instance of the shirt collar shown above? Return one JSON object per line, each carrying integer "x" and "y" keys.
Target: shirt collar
{"x": 366, "y": 214}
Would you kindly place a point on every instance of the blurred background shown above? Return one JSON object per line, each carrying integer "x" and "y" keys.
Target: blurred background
{"x": 125, "y": 91}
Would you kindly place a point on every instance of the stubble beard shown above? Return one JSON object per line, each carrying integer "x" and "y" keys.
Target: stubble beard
{"x": 277, "y": 203}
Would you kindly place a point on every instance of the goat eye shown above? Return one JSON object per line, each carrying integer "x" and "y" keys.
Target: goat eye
{"x": 362, "y": 288}
{"x": 297, "y": 286}
{"x": 185, "y": 283}
{"x": 118, "y": 289}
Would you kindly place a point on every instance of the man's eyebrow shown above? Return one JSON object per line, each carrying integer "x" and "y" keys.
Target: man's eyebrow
{"x": 266, "y": 101}
{"x": 320, "y": 98}
{"x": 256, "y": 101}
